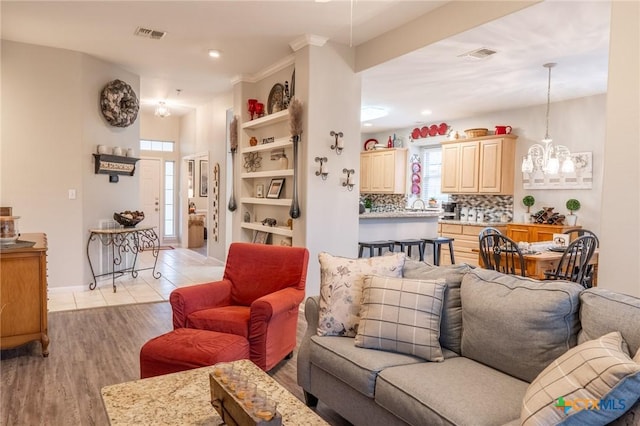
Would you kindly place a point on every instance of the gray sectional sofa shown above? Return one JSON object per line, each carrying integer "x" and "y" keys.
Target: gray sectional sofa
{"x": 497, "y": 334}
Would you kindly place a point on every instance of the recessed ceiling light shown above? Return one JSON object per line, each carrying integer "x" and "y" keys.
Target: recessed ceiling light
{"x": 367, "y": 124}
{"x": 214, "y": 53}
{"x": 426, "y": 112}
{"x": 371, "y": 113}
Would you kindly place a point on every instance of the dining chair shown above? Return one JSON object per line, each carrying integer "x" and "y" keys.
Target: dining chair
{"x": 500, "y": 253}
{"x": 579, "y": 232}
{"x": 489, "y": 230}
{"x": 574, "y": 263}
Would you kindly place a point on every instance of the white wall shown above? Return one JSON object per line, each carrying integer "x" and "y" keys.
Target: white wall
{"x": 51, "y": 124}
{"x": 330, "y": 91}
{"x": 620, "y": 237}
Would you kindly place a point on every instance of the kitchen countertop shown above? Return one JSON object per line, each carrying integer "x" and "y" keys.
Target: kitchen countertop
{"x": 401, "y": 214}
{"x": 460, "y": 222}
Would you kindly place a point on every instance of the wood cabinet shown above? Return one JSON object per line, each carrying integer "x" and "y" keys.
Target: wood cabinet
{"x": 533, "y": 232}
{"x": 23, "y": 292}
{"x": 465, "y": 241}
{"x": 262, "y": 207}
{"x": 484, "y": 165}
{"x": 383, "y": 171}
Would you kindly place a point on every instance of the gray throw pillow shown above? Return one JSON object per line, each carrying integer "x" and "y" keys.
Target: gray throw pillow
{"x": 517, "y": 325}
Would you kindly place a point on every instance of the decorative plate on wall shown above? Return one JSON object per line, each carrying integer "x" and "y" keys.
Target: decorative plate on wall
{"x": 275, "y": 102}
{"x": 119, "y": 104}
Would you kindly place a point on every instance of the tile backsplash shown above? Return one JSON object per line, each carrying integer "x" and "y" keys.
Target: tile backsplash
{"x": 493, "y": 206}
{"x": 386, "y": 202}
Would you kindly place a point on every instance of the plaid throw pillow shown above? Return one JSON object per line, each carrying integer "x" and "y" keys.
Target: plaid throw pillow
{"x": 592, "y": 383}
{"x": 401, "y": 315}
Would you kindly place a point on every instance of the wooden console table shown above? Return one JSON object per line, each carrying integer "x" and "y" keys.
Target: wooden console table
{"x": 23, "y": 286}
{"x": 122, "y": 241}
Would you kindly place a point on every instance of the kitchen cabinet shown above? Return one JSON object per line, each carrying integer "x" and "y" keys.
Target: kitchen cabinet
{"x": 383, "y": 171}
{"x": 534, "y": 232}
{"x": 484, "y": 165}
{"x": 23, "y": 285}
{"x": 271, "y": 127}
{"x": 465, "y": 241}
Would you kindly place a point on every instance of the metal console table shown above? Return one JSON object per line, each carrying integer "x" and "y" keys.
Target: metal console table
{"x": 122, "y": 241}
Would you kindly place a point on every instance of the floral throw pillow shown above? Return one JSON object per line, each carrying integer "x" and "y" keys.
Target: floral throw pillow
{"x": 341, "y": 282}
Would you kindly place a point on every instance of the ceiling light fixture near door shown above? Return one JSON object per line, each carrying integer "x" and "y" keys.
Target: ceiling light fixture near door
{"x": 162, "y": 110}
{"x": 548, "y": 158}
{"x": 214, "y": 53}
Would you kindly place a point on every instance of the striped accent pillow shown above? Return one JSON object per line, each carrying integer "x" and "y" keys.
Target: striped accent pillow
{"x": 401, "y": 315}
{"x": 592, "y": 383}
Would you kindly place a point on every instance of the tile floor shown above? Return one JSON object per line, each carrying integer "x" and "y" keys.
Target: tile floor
{"x": 179, "y": 267}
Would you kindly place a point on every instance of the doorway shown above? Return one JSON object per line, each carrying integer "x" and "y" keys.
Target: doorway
{"x": 194, "y": 189}
{"x": 150, "y": 191}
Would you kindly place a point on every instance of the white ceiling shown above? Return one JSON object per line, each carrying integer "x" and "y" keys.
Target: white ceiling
{"x": 255, "y": 34}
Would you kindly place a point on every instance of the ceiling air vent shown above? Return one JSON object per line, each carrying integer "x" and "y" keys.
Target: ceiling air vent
{"x": 148, "y": 33}
{"x": 478, "y": 53}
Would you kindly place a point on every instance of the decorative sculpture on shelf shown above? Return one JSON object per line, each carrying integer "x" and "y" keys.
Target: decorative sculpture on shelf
{"x": 233, "y": 141}
{"x": 295, "y": 123}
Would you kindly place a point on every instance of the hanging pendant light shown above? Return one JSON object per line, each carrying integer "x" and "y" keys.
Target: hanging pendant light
{"x": 547, "y": 158}
{"x": 162, "y": 110}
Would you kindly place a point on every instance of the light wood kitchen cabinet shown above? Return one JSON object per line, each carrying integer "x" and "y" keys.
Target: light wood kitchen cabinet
{"x": 534, "y": 232}
{"x": 484, "y": 165}
{"x": 23, "y": 288}
{"x": 465, "y": 241}
{"x": 383, "y": 171}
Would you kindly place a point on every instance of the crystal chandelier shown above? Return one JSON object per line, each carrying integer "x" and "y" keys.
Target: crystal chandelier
{"x": 547, "y": 158}
{"x": 162, "y": 110}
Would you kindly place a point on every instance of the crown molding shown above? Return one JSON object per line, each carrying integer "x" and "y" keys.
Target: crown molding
{"x": 271, "y": 69}
{"x": 307, "y": 40}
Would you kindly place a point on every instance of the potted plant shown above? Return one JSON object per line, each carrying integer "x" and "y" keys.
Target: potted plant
{"x": 572, "y": 205}
{"x": 528, "y": 201}
{"x": 433, "y": 202}
{"x": 367, "y": 205}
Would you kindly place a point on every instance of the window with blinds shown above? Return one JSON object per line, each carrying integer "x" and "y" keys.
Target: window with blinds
{"x": 432, "y": 174}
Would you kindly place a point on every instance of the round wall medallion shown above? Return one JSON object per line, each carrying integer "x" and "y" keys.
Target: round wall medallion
{"x": 119, "y": 104}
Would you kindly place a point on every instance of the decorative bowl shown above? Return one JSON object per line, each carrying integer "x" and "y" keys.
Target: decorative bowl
{"x": 128, "y": 218}
{"x": 475, "y": 133}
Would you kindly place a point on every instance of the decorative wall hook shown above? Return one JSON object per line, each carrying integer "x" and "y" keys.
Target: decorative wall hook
{"x": 339, "y": 145}
{"x": 324, "y": 171}
{"x": 349, "y": 183}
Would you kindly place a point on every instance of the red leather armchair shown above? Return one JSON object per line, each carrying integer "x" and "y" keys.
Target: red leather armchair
{"x": 258, "y": 298}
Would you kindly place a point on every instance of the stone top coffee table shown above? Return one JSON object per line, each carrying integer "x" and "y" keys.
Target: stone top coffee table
{"x": 184, "y": 398}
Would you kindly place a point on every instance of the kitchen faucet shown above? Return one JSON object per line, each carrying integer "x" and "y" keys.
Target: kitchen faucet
{"x": 413, "y": 205}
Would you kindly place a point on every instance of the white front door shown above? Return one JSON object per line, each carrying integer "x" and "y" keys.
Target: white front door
{"x": 150, "y": 169}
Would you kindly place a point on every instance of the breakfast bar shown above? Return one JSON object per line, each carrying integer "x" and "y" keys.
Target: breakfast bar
{"x": 399, "y": 225}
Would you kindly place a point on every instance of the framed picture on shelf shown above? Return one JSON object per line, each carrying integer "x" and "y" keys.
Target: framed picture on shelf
{"x": 261, "y": 237}
{"x": 191, "y": 175}
{"x": 275, "y": 188}
{"x": 204, "y": 178}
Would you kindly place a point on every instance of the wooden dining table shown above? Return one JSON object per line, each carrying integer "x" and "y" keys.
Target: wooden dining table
{"x": 537, "y": 264}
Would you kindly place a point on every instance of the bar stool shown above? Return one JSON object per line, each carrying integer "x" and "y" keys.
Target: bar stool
{"x": 437, "y": 245}
{"x": 372, "y": 245}
{"x": 408, "y": 244}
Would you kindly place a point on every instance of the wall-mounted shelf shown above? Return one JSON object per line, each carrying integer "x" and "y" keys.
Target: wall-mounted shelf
{"x": 278, "y": 143}
{"x": 279, "y": 230}
{"x": 267, "y": 173}
{"x": 114, "y": 165}
{"x": 267, "y": 201}
{"x": 267, "y": 120}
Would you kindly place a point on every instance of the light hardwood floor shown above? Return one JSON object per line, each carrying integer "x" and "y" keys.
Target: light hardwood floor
{"x": 91, "y": 349}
